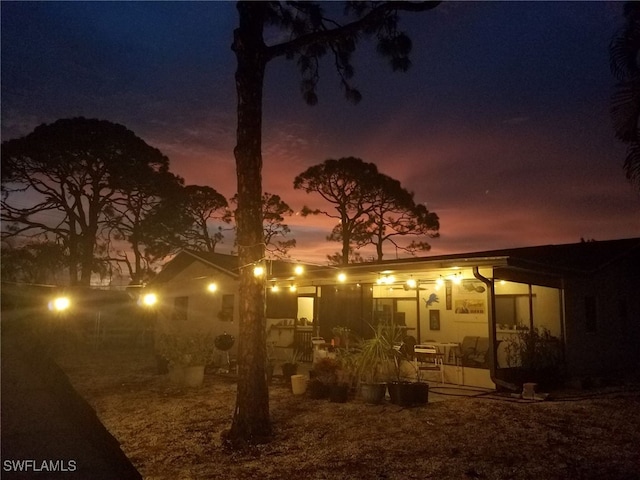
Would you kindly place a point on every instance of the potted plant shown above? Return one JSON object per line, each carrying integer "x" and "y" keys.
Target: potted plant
{"x": 533, "y": 356}
{"x": 187, "y": 355}
{"x": 290, "y": 367}
{"x": 402, "y": 389}
{"x": 375, "y": 357}
{"x": 323, "y": 376}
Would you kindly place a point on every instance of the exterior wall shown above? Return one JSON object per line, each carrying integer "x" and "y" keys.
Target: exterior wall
{"x": 203, "y": 306}
{"x": 603, "y": 342}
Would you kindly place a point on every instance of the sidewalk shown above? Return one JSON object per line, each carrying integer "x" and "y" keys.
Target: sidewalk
{"x": 48, "y": 430}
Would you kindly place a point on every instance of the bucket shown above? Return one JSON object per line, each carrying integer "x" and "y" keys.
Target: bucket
{"x": 298, "y": 384}
{"x": 193, "y": 376}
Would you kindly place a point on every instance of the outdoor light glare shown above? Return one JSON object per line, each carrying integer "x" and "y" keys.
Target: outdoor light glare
{"x": 59, "y": 304}
{"x": 149, "y": 299}
{"x": 299, "y": 270}
{"x": 342, "y": 277}
{"x": 212, "y": 287}
{"x": 274, "y": 288}
{"x": 457, "y": 278}
{"x": 292, "y": 288}
{"x": 411, "y": 283}
{"x": 258, "y": 271}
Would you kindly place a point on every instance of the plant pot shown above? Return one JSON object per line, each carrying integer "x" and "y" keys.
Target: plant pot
{"x": 317, "y": 389}
{"x": 400, "y": 393}
{"x": 298, "y": 384}
{"x": 289, "y": 369}
{"x": 339, "y": 393}
{"x": 193, "y": 376}
{"x": 407, "y": 394}
{"x": 162, "y": 365}
{"x": 420, "y": 393}
{"x": 176, "y": 374}
{"x": 373, "y": 392}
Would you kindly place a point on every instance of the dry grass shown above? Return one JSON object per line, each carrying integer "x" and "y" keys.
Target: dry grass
{"x": 174, "y": 433}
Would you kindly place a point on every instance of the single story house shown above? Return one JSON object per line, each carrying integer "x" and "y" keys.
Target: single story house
{"x": 583, "y": 296}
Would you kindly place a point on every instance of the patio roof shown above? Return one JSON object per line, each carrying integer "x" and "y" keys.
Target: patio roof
{"x": 552, "y": 260}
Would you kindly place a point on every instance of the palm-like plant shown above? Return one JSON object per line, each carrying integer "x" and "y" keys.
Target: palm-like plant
{"x": 625, "y": 103}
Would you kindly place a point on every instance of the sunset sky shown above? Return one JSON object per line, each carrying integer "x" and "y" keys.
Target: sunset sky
{"x": 501, "y": 126}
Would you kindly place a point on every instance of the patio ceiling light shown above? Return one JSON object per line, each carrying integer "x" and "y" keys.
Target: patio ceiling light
{"x": 212, "y": 287}
{"x": 298, "y": 270}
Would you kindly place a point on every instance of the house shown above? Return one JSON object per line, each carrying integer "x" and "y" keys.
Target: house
{"x": 475, "y": 305}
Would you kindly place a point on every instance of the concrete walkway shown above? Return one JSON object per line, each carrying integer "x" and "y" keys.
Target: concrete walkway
{"x": 48, "y": 430}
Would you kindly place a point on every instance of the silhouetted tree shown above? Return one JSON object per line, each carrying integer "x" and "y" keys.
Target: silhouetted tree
{"x": 273, "y": 211}
{"x": 39, "y": 262}
{"x": 625, "y": 105}
{"x": 73, "y": 170}
{"x": 186, "y": 218}
{"x": 348, "y": 184}
{"x": 309, "y": 35}
{"x": 394, "y": 213}
{"x": 128, "y": 215}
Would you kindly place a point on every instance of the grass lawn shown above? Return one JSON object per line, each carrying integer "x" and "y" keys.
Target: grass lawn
{"x": 170, "y": 432}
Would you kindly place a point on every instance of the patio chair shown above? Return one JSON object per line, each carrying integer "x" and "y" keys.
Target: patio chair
{"x": 429, "y": 359}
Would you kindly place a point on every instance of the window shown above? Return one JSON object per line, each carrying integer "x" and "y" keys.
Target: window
{"x": 180, "y": 307}
{"x": 513, "y": 310}
{"x": 226, "y": 312}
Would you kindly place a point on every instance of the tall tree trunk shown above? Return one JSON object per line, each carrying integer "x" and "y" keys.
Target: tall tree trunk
{"x": 251, "y": 422}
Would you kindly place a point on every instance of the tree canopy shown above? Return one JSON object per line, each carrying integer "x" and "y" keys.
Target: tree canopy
{"x": 625, "y": 103}
{"x": 72, "y": 171}
{"x": 371, "y": 207}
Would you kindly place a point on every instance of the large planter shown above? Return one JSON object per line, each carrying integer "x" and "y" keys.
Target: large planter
{"x": 193, "y": 376}
{"x": 317, "y": 389}
{"x": 408, "y": 394}
{"x": 373, "y": 392}
{"x": 339, "y": 393}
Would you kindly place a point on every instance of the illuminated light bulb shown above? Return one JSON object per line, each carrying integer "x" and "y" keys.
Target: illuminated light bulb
{"x": 439, "y": 282}
{"x": 411, "y": 283}
{"x": 292, "y": 288}
{"x": 457, "y": 279}
{"x": 390, "y": 279}
{"x": 274, "y": 288}
{"x": 502, "y": 282}
{"x": 299, "y": 270}
{"x": 149, "y": 299}
{"x": 59, "y": 304}
{"x": 342, "y": 277}
{"x": 258, "y": 271}
{"x": 212, "y": 287}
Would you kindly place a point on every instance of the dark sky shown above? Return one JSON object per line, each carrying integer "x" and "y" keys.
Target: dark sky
{"x": 501, "y": 126}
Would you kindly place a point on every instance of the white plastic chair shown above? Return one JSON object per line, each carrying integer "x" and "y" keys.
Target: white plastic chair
{"x": 429, "y": 359}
